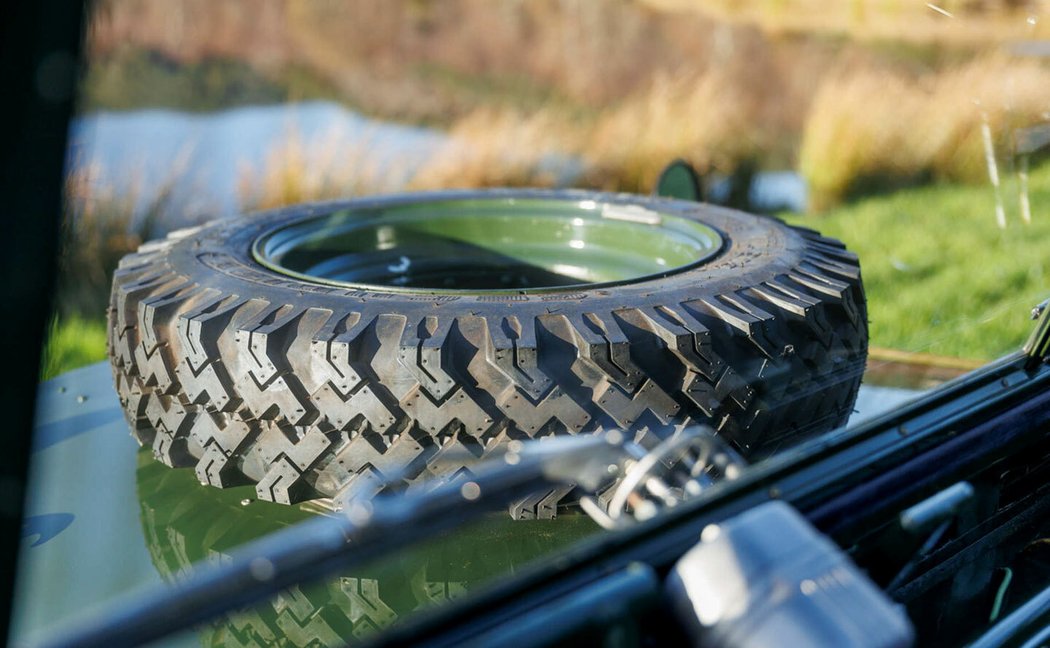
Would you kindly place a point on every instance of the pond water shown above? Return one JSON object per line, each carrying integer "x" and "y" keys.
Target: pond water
{"x": 205, "y": 160}
{"x": 770, "y": 191}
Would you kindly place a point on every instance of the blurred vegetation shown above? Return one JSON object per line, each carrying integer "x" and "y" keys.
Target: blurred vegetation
{"x": 72, "y": 342}
{"x": 99, "y": 227}
{"x": 861, "y": 96}
{"x": 130, "y": 79}
{"x": 865, "y": 98}
{"x": 945, "y": 23}
{"x": 871, "y": 130}
{"x": 940, "y": 274}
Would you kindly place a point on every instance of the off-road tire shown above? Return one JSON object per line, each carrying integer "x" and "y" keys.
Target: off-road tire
{"x": 251, "y": 376}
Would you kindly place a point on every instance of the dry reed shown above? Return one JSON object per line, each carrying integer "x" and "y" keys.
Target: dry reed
{"x": 874, "y": 129}
{"x": 713, "y": 120}
{"x": 323, "y": 167}
{"x": 710, "y": 120}
{"x": 501, "y": 148}
{"x": 99, "y": 226}
{"x": 956, "y": 22}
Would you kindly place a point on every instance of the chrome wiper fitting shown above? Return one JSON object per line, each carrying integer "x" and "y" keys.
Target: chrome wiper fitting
{"x": 677, "y": 469}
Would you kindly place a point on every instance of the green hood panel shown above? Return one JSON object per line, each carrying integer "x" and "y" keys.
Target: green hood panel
{"x": 104, "y": 519}
{"x": 82, "y": 472}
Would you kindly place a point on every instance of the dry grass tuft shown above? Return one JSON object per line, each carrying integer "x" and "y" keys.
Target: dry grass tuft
{"x": 873, "y": 129}
{"x": 501, "y": 148}
{"x": 99, "y": 227}
{"x": 322, "y": 168}
{"x": 709, "y": 119}
{"x": 959, "y": 22}
{"x": 718, "y": 120}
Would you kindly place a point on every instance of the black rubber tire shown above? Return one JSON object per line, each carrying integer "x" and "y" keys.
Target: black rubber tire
{"x": 255, "y": 377}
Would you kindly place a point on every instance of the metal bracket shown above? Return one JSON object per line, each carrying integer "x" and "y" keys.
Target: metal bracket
{"x": 1038, "y": 346}
{"x": 677, "y": 469}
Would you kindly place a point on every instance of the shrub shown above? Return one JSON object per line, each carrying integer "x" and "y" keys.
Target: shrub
{"x": 872, "y": 129}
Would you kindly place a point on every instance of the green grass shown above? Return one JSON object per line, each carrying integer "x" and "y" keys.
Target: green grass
{"x": 72, "y": 342}
{"x": 940, "y": 275}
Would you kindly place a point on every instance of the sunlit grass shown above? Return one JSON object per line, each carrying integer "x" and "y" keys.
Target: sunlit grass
{"x": 940, "y": 275}
{"x": 72, "y": 342}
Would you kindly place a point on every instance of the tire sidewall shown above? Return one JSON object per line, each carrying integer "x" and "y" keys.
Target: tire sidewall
{"x": 755, "y": 249}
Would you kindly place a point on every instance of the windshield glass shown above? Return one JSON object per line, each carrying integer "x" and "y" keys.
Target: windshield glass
{"x": 904, "y": 143}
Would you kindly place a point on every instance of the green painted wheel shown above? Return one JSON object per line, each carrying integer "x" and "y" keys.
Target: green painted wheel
{"x": 486, "y": 246}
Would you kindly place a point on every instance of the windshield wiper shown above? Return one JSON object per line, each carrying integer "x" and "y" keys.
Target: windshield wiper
{"x": 363, "y": 531}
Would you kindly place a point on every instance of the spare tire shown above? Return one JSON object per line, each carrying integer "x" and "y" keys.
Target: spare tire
{"x": 301, "y": 348}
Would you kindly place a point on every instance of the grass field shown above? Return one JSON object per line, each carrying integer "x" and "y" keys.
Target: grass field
{"x": 941, "y": 276}
{"x": 73, "y": 342}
